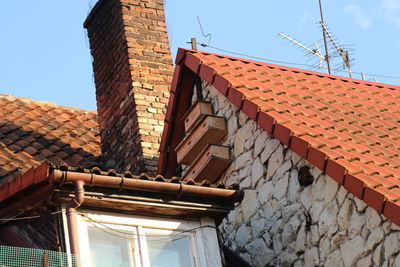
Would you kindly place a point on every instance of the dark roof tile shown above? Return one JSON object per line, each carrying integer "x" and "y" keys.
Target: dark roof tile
{"x": 34, "y": 131}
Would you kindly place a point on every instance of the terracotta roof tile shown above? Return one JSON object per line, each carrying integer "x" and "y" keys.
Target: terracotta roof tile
{"x": 341, "y": 121}
{"x": 34, "y": 131}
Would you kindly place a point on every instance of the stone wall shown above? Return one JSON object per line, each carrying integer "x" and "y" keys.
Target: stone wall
{"x": 279, "y": 222}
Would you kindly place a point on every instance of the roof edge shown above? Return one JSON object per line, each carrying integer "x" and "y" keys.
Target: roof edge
{"x": 28, "y": 100}
{"x": 47, "y": 173}
{"x": 332, "y": 76}
{"x": 356, "y": 184}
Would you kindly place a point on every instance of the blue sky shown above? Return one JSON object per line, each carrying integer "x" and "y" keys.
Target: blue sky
{"x": 44, "y": 51}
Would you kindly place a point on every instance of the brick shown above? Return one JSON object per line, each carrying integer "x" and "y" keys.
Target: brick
{"x": 354, "y": 185}
{"x": 266, "y": 121}
{"x": 41, "y": 172}
{"x": 207, "y": 73}
{"x": 282, "y": 133}
{"x": 3, "y": 191}
{"x": 335, "y": 170}
{"x": 250, "y": 109}
{"x": 374, "y": 199}
{"x": 221, "y": 84}
{"x": 299, "y": 146}
{"x": 392, "y": 211}
{"x": 27, "y": 178}
{"x": 236, "y": 97}
{"x": 146, "y": 67}
{"x": 192, "y": 62}
{"x": 14, "y": 185}
{"x": 317, "y": 158}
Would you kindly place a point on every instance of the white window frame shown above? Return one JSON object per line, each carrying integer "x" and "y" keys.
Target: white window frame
{"x": 204, "y": 241}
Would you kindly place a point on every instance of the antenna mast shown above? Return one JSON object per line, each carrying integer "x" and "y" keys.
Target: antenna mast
{"x": 323, "y": 33}
{"x": 344, "y": 54}
{"x": 329, "y": 42}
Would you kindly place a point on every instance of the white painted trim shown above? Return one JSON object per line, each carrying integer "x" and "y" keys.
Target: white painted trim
{"x": 83, "y": 242}
{"x": 210, "y": 240}
{"x": 203, "y": 241}
{"x": 201, "y": 254}
{"x": 65, "y": 228}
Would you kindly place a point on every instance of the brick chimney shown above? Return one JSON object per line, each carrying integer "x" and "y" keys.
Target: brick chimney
{"x": 132, "y": 67}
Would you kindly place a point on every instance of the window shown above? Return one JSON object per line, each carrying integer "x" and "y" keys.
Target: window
{"x": 112, "y": 246}
{"x": 115, "y": 240}
{"x": 107, "y": 249}
{"x": 173, "y": 248}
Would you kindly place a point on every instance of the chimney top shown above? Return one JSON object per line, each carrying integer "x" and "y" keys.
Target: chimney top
{"x": 132, "y": 65}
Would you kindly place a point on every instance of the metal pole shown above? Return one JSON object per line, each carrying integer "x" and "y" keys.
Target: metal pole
{"x": 75, "y": 203}
{"x": 323, "y": 32}
{"x": 194, "y": 43}
{"x": 45, "y": 258}
{"x": 347, "y": 61}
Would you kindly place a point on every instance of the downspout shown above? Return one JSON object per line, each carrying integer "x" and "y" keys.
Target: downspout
{"x": 79, "y": 192}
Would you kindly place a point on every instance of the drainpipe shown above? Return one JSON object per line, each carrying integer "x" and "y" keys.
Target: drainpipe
{"x": 72, "y": 218}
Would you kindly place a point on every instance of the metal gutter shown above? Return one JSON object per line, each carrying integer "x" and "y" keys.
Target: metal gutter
{"x": 121, "y": 183}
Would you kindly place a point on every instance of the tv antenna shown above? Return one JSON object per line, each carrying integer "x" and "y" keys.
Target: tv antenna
{"x": 316, "y": 52}
{"x": 344, "y": 54}
{"x": 324, "y": 36}
{"x": 329, "y": 41}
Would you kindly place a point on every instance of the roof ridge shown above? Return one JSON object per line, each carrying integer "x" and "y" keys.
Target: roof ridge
{"x": 28, "y": 100}
{"x": 294, "y": 69}
{"x": 314, "y": 130}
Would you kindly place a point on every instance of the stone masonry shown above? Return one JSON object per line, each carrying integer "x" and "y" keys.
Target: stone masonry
{"x": 279, "y": 222}
{"x": 132, "y": 68}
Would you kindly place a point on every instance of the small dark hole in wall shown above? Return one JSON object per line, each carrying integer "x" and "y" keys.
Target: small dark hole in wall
{"x": 308, "y": 221}
{"x": 305, "y": 177}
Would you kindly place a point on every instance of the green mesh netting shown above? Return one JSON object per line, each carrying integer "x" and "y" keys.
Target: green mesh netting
{"x": 29, "y": 257}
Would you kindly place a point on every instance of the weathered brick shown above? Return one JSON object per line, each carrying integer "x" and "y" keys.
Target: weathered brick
{"x": 133, "y": 69}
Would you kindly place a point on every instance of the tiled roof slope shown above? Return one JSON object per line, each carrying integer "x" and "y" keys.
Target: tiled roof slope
{"x": 34, "y": 131}
{"x": 349, "y": 128}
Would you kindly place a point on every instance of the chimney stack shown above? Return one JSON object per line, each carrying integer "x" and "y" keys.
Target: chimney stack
{"x": 133, "y": 68}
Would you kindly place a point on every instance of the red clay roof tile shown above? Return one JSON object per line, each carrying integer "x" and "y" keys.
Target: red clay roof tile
{"x": 351, "y": 123}
{"x": 34, "y": 131}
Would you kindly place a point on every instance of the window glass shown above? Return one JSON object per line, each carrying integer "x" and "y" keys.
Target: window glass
{"x": 137, "y": 244}
{"x": 169, "y": 251}
{"x": 108, "y": 249}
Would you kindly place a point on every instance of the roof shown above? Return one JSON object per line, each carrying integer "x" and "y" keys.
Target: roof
{"x": 137, "y": 192}
{"x": 34, "y": 131}
{"x": 346, "y": 127}
{"x": 45, "y": 147}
